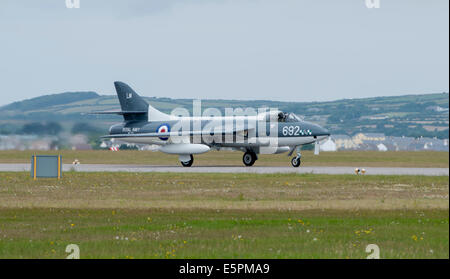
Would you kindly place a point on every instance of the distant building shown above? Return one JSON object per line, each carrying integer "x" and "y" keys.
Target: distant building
{"x": 27, "y": 142}
{"x": 377, "y": 117}
{"x": 433, "y": 144}
{"x": 361, "y": 137}
{"x": 382, "y": 147}
{"x": 40, "y": 145}
{"x": 82, "y": 146}
{"x": 78, "y": 139}
{"x": 380, "y": 142}
{"x": 369, "y": 145}
{"x": 400, "y": 143}
{"x": 437, "y": 108}
{"x": 343, "y": 142}
{"x": 328, "y": 145}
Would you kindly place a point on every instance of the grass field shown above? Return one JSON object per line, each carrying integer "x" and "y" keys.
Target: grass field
{"x": 422, "y": 159}
{"x": 194, "y": 215}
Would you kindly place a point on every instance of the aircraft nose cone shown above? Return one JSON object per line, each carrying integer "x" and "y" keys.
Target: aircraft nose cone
{"x": 322, "y": 131}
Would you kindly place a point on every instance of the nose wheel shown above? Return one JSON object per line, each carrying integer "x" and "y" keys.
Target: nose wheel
{"x": 188, "y": 163}
{"x": 249, "y": 158}
{"x": 296, "y": 161}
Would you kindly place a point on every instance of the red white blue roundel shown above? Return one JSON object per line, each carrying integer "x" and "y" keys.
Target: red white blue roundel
{"x": 164, "y": 128}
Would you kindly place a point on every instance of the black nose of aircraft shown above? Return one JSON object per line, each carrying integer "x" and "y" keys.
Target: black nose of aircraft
{"x": 320, "y": 131}
{"x": 324, "y": 132}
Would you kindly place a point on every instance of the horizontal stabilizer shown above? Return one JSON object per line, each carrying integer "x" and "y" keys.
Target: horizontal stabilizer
{"x": 119, "y": 112}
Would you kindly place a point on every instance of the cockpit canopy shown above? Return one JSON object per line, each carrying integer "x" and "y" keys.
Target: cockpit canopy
{"x": 288, "y": 117}
{"x": 280, "y": 116}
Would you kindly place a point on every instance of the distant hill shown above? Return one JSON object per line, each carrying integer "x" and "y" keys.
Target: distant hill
{"x": 408, "y": 115}
{"x": 48, "y": 101}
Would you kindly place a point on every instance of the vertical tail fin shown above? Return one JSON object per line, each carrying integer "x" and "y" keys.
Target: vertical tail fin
{"x": 129, "y": 100}
{"x": 134, "y": 108}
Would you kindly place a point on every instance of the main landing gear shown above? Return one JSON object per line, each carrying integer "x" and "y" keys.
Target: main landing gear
{"x": 296, "y": 161}
{"x": 188, "y": 163}
{"x": 249, "y": 158}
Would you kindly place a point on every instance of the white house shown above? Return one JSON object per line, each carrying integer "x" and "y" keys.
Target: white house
{"x": 328, "y": 145}
{"x": 382, "y": 147}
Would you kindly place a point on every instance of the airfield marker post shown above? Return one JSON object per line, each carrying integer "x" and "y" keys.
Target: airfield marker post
{"x": 59, "y": 167}
{"x": 34, "y": 167}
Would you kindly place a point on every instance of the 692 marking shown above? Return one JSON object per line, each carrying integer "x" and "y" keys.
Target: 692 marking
{"x": 295, "y": 130}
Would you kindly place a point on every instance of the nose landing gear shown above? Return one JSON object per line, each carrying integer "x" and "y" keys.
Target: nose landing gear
{"x": 296, "y": 161}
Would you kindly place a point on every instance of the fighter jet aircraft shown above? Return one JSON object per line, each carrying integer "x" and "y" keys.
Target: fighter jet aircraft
{"x": 265, "y": 132}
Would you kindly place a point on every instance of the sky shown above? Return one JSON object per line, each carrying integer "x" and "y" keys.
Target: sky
{"x": 285, "y": 50}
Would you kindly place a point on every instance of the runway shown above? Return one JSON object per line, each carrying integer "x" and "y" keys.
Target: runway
{"x": 237, "y": 169}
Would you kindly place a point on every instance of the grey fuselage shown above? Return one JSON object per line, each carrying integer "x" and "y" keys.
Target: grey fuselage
{"x": 259, "y": 133}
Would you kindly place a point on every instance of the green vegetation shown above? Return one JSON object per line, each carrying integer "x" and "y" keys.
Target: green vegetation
{"x": 48, "y": 101}
{"x": 169, "y": 234}
{"x": 161, "y": 215}
{"x": 36, "y": 128}
{"x": 85, "y": 128}
{"x": 406, "y": 115}
{"x": 426, "y": 159}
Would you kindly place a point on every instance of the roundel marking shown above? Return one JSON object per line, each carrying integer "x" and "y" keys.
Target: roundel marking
{"x": 164, "y": 128}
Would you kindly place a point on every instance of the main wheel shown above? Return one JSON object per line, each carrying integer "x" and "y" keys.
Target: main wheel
{"x": 296, "y": 162}
{"x": 249, "y": 158}
{"x": 188, "y": 163}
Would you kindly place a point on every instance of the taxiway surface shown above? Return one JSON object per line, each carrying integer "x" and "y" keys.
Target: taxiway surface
{"x": 237, "y": 169}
